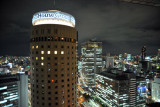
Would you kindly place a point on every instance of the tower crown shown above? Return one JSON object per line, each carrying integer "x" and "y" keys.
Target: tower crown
{"x": 53, "y": 17}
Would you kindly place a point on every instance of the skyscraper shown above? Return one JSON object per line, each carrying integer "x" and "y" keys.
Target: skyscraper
{"x": 91, "y": 61}
{"x": 143, "y": 53}
{"x": 53, "y": 60}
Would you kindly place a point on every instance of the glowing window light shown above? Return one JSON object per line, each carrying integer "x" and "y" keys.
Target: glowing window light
{"x": 55, "y": 52}
{"x": 62, "y": 39}
{"x": 37, "y": 47}
{"x": 49, "y": 52}
{"x": 36, "y": 58}
{"x": 32, "y": 47}
{"x": 42, "y": 52}
{"x": 52, "y": 81}
{"x": 42, "y": 58}
{"x": 2, "y": 88}
{"x": 1, "y": 102}
{"x": 62, "y": 52}
{"x": 42, "y": 63}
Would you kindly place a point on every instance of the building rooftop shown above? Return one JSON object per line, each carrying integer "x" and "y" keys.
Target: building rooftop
{"x": 119, "y": 75}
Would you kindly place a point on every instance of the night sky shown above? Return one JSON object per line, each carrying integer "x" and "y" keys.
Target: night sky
{"x": 121, "y": 26}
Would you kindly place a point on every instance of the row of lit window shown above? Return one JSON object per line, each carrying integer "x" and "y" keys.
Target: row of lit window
{"x": 68, "y": 74}
{"x": 49, "y": 46}
{"x": 42, "y": 58}
{"x": 55, "y": 52}
{"x": 49, "y": 87}
{"x": 49, "y": 104}
{"x": 56, "y": 81}
{"x": 55, "y": 58}
{"x": 42, "y": 63}
{"x": 42, "y": 31}
{"x": 64, "y": 39}
{"x": 62, "y": 69}
{"x": 62, "y": 63}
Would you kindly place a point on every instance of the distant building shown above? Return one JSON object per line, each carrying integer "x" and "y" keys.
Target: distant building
{"x": 158, "y": 54}
{"x": 116, "y": 89}
{"x": 14, "y": 90}
{"x": 91, "y": 61}
{"x": 120, "y": 56}
{"x": 129, "y": 57}
{"x": 145, "y": 68}
{"x": 125, "y": 55}
{"x": 109, "y": 61}
{"x": 143, "y": 52}
{"x": 156, "y": 90}
{"x": 141, "y": 91}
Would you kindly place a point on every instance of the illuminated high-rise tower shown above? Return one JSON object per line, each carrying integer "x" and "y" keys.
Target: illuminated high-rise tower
{"x": 91, "y": 61}
{"x": 53, "y": 60}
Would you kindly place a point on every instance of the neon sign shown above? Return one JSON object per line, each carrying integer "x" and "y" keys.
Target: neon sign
{"x": 53, "y": 17}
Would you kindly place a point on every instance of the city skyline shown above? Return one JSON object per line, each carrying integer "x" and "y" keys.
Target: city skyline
{"x": 121, "y": 26}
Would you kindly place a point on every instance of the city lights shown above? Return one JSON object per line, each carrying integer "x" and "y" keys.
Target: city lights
{"x": 110, "y": 58}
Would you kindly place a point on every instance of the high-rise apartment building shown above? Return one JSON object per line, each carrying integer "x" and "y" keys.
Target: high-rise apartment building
{"x": 91, "y": 61}
{"x": 53, "y": 60}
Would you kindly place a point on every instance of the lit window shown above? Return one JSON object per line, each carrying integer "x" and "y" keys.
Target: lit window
{"x": 62, "y": 39}
{"x": 42, "y": 58}
{"x": 36, "y": 58}
{"x": 42, "y": 52}
{"x": 37, "y": 47}
{"x": 32, "y": 47}
{"x": 52, "y": 81}
{"x": 62, "y": 52}
{"x": 55, "y": 52}
{"x": 49, "y": 52}
{"x": 42, "y": 63}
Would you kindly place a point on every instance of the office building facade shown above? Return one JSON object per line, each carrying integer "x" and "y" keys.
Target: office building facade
{"x": 116, "y": 89}
{"x": 14, "y": 90}
{"x": 53, "y": 60}
{"x": 91, "y": 61}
